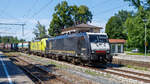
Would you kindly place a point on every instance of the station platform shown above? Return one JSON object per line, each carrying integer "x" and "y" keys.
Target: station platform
{"x": 134, "y": 60}
{"x": 133, "y": 57}
{"x": 10, "y": 73}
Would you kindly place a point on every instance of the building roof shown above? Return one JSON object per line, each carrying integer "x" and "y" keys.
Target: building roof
{"x": 81, "y": 26}
{"x": 86, "y": 26}
{"x": 117, "y": 40}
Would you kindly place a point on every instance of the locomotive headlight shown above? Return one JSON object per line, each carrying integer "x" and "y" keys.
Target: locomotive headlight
{"x": 108, "y": 51}
{"x": 93, "y": 51}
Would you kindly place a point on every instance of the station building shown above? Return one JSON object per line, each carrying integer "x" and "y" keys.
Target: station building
{"x": 81, "y": 28}
{"x": 117, "y": 45}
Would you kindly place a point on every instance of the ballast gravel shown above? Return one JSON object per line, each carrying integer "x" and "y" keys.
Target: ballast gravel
{"x": 98, "y": 78}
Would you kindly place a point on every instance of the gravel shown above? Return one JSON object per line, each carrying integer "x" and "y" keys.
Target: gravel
{"x": 98, "y": 77}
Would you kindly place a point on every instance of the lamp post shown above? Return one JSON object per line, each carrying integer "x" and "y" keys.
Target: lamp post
{"x": 145, "y": 39}
{"x": 145, "y": 20}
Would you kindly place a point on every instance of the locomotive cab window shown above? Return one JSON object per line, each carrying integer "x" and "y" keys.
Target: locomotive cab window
{"x": 98, "y": 38}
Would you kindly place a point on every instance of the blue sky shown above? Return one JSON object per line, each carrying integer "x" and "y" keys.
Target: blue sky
{"x": 31, "y": 11}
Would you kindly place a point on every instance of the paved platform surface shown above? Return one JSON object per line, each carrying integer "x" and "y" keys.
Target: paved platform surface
{"x": 10, "y": 73}
{"x": 133, "y": 57}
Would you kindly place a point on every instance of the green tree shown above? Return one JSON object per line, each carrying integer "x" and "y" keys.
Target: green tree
{"x": 136, "y": 29}
{"x": 55, "y": 26}
{"x": 66, "y": 16}
{"x": 9, "y": 39}
{"x": 0, "y": 39}
{"x": 139, "y": 3}
{"x": 115, "y": 28}
{"x": 40, "y": 31}
{"x": 83, "y": 15}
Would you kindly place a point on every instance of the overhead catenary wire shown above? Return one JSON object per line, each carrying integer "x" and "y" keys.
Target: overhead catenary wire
{"x": 39, "y": 11}
{"x": 30, "y": 9}
{"x": 26, "y": 15}
{"x": 42, "y": 8}
{"x": 33, "y": 15}
{"x": 103, "y": 2}
{"x": 5, "y": 8}
{"x": 109, "y": 10}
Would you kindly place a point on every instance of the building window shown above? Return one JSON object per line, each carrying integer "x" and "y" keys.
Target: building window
{"x": 112, "y": 48}
{"x": 119, "y": 48}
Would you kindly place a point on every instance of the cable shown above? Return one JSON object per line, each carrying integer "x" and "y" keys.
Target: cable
{"x": 30, "y": 9}
{"x": 108, "y": 10}
{"x": 39, "y": 11}
{"x": 103, "y": 2}
{"x": 5, "y": 8}
{"x": 42, "y": 8}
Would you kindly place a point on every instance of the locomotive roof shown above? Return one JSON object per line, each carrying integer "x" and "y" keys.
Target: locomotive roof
{"x": 67, "y": 36}
{"x": 75, "y": 35}
{"x": 97, "y": 33}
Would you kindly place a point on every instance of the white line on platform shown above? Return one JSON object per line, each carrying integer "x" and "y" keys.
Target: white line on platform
{"x": 6, "y": 72}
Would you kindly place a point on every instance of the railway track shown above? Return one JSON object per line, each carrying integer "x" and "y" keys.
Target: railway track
{"x": 121, "y": 72}
{"x": 129, "y": 76}
{"x": 37, "y": 74}
{"x": 131, "y": 72}
{"x": 108, "y": 70}
{"x": 124, "y": 73}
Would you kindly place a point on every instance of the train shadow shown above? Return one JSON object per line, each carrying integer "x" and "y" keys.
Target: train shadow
{"x": 112, "y": 65}
{"x": 7, "y": 51}
{"x": 7, "y": 66}
{"x": 108, "y": 65}
{"x": 44, "y": 72}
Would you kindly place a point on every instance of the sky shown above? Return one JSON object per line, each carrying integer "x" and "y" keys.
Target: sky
{"x": 28, "y": 12}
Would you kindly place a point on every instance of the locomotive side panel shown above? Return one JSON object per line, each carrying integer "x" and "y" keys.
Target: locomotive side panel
{"x": 73, "y": 46}
{"x": 43, "y": 45}
{"x": 38, "y": 46}
{"x": 34, "y": 46}
{"x": 57, "y": 47}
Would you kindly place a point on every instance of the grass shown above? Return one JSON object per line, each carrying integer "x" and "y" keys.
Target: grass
{"x": 58, "y": 65}
{"x": 91, "y": 72}
{"x": 9, "y": 54}
{"x": 148, "y": 54}
{"x": 137, "y": 68}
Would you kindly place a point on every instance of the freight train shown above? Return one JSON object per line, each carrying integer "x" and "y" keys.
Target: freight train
{"x": 83, "y": 48}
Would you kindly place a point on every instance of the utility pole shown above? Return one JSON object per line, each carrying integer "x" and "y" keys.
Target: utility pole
{"x": 15, "y": 24}
{"x": 145, "y": 21}
{"x": 23, "y": 29}
{"x": 145, "y": 39}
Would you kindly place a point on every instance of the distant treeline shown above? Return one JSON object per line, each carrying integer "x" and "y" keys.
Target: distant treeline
{"x": 10, "y": 39}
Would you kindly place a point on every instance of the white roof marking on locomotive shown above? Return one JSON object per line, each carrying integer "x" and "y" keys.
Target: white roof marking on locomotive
{"x": 97, "y": 33}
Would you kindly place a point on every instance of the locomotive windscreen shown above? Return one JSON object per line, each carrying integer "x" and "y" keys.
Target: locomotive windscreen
{"x": 98, "y": 38}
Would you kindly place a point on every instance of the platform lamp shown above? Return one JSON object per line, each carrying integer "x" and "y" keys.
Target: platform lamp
{"x": 145, "y": 21}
